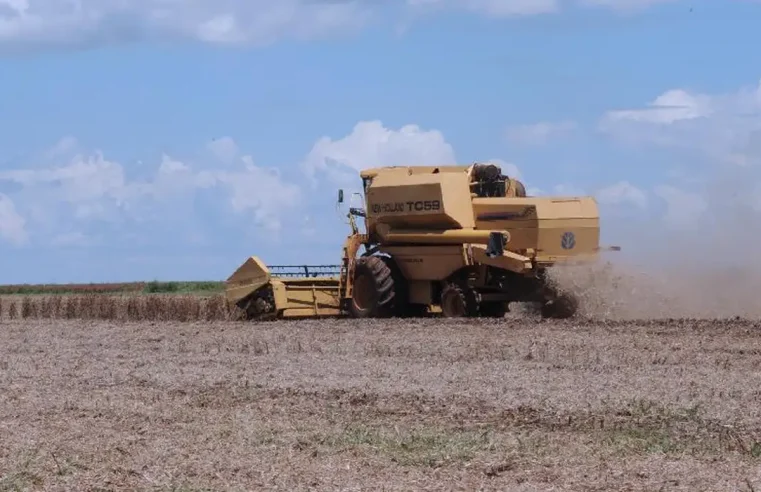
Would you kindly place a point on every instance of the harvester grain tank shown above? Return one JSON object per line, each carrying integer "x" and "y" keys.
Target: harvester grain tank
{"x": 460, "y": 240}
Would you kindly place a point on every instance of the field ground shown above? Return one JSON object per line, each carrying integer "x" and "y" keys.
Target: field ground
{"x": 415, "y": 405}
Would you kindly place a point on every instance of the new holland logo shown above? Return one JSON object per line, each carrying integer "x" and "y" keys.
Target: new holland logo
{"x": 568, "y": 241}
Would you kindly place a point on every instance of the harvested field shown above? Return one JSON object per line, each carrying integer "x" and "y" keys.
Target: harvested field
{"x": 415, "y": 405}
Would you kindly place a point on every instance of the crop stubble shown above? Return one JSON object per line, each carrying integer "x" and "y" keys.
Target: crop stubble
{"x": 416, "y": 404}
{"x": 126, "y": 307}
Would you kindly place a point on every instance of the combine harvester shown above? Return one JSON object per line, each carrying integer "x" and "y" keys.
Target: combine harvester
{"x": 464, "y": 241}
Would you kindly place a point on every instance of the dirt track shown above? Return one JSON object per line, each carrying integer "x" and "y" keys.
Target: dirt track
{"x": 420, "y": 405}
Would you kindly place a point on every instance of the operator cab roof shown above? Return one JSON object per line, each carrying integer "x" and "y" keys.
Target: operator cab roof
{"x": 372, "y": 172}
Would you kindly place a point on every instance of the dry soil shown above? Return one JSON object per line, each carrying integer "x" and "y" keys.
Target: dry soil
{"x": 413, "y": 405}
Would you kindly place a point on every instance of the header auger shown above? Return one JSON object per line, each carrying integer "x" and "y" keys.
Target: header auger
{"x": 461, "y": 240}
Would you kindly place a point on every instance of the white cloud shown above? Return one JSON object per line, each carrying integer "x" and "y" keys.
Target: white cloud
{"x": 224, "y": 148}
{"x": 173, "y": 178}
{"x": 73, "y": 199}
{"x": 12, "y": 225}
{"x": 226, "y": 22}
{"x": 712, "y": 139}
{"x": 721, "y": 127}
{"x": 562, "y": 189}
{"x": 91, "y": 184}
{"x": 64, "y": 197}
{"x": 538, "y": 133}
{"x": 622, "y": 193}
{"x": 262, "y": 192}
{"x": 72, "y": 239}
{"x": 370, "y": 144}
{"x": 625, "y": 5}
{"x": 63, "y": 146}
{"x": 671, "y": 106}
{"x": 492, "y": 8}
{"x": 683, "y": 208}
{"x": 567, "y": 189}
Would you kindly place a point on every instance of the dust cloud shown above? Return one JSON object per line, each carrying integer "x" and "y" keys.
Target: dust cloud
{"x": 707, "y": 268}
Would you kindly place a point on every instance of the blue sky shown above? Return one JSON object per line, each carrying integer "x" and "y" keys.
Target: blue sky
{"x": 171, "y": 140}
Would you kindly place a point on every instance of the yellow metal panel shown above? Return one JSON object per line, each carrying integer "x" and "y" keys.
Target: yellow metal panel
{"x": 247, "y": 278}
{"x": 307, "y": 296}
{"x": 533, "y": 208}
{"x": 439, "y": 200}
{"x": 427, "y": 262}
{"x": 508, "y": 261}
{"x": 421, "y": 292}
{"x": 410, "y": 170}
{"x": 557, "y": 227}
{"x": 310, "y": 313}
{"x": 438, "y": 237}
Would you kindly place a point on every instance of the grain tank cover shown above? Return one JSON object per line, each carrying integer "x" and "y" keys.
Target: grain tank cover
{"x": 432, "y": 200}
{"x": 553, "y": 226}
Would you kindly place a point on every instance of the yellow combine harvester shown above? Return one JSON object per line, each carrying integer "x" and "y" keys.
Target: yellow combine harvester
{"x": 464, "y": 241}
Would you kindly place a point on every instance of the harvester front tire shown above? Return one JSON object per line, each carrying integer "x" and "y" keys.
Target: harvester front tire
{"x": 458, "y": 301}
{"x": 373, "y": 293}
{"x": 259, "y": 306}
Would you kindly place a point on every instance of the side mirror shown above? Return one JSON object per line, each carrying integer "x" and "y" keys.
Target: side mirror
{"x": 340, "y": 196}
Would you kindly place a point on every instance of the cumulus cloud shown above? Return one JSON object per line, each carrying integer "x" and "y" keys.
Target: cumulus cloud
{"x": 64, "y": 146}
{"x": 257, "y": 22}
{"x": 64, "y": 197}
{"x": 538, "y": 133}
{"x": 622, "y": 193}
{"x": 370, "y": 144}
{"x": 223, "y": 148}
{"x": 70, "y": 194}
{"x": 682, "y": 206}
{"x": 93, "y": 186}
{"x": 560, "y": 189}
{"x": 723, "y": 127}
{"x": 710, "y": 197}
{"x": 261, "y": 192}
{"x": 76, "y": 197}
{"x": 708, "y": 129}
{"x": 12, "y": 225}
{"x": 671, "y": 106}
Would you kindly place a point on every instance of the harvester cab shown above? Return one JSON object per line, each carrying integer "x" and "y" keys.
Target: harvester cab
{"x": 465, "y": 241}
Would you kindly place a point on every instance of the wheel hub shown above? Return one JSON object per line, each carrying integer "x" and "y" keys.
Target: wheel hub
{"x": 363, "y": 292}
{"x": 453, "y": 305}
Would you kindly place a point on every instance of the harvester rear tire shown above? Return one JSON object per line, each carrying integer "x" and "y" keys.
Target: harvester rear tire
{"x": 493, "y": 309}
{"x": 459, "y": 301}
{"x": 374, "y": 293}
{"x": 416, "y": 311}
{"x": 562, "y": 307}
